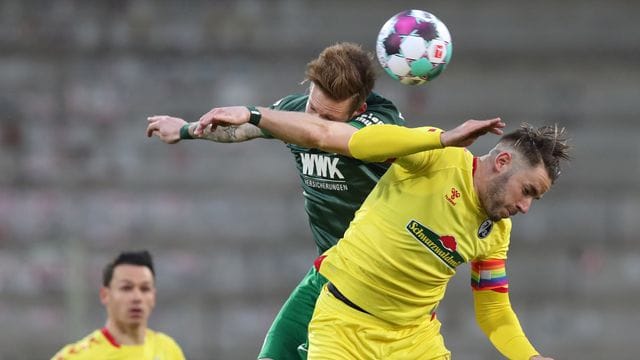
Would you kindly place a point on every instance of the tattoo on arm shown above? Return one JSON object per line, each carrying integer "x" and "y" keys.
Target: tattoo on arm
{"x": 232, "y": 134}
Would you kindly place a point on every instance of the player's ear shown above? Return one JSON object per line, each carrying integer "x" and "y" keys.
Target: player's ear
{"x": 362, "y": 108}
{"x": 104, "y": 295}
{"x": 502, "y": 161}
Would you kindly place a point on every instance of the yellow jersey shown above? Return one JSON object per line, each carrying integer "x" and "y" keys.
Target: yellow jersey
{"x": 420, "y": 222}
{"x": 100, "y": 345}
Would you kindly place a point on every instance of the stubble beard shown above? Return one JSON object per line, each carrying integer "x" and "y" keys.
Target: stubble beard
{"x": 493, "y": 200}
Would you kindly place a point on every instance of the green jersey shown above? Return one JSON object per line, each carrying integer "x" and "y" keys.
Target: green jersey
{"x": 335, "y": 185}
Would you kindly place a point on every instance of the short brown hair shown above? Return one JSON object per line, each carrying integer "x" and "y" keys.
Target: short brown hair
{"x": 546, "y": 144}
{"x": 344, "y": 71}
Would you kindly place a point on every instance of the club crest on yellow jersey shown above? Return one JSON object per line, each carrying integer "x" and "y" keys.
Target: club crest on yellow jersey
{"x": 485, "y": 229}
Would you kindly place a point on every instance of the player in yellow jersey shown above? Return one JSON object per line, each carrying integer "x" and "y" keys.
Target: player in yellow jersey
{"x": 436, "y": 208}
{"x": 128, "y": 293}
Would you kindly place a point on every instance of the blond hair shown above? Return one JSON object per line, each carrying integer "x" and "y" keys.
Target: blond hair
{"x": 343, "y": 71}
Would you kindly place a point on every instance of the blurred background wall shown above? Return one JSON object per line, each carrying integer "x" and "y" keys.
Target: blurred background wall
{"x": 79, "y": 181}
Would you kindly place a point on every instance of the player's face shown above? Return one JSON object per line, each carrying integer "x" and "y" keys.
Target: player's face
{"x": 323, "y": 106}
{"x": 513, "y": 190}
{"x": 131, "y": 295}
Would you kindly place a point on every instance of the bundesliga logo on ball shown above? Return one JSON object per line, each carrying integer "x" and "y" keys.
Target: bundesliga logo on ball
{"x": 414, "y": 47}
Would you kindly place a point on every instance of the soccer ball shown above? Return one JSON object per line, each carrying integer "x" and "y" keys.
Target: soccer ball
{"x": 414, "y": 47}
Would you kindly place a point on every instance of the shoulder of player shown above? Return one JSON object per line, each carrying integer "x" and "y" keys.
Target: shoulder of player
{"x": 448, "y": 160}
{"x": 377, "y": 99}
{"x": 82, "y": 349}
{"x": 379, "y": 111}
{"x": 160, "y": 337}
{"x": 451, "y": 157}
{"x": 504, "y": 226}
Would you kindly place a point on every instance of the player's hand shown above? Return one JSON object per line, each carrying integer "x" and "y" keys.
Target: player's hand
{"x": 167, "y": 128}
{"x": 540, "y": 357}
{"x": 223, "y": 116}
{"x": 465, "y": 134}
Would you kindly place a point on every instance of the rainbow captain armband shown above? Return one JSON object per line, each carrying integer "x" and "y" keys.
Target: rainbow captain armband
{"x": 489, "y": 275}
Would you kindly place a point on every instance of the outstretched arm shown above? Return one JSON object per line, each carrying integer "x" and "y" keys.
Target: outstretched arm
{"x": 167, "y": 129}
{"x": 381, "y": 142}
{"x": 372, "y": 143}
{"x": 298, "y": 128}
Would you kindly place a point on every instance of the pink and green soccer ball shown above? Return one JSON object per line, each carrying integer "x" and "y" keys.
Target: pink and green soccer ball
{"x": 414, "y": 47}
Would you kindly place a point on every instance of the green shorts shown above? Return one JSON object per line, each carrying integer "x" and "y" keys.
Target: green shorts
{"x": 287, "y": 337}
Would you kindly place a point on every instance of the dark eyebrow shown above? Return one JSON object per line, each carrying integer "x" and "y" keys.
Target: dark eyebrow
{"x": 535, "y": 193}
{"x": 130, "y": 282}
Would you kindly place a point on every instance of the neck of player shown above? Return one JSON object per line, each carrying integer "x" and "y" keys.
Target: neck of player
{"x": 126, "y": 334}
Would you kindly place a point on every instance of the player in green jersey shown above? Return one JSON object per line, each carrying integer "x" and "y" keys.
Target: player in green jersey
{"x": 341, "y": 80}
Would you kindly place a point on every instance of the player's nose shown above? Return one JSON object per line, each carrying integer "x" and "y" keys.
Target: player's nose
{"x": 524, "y": 205}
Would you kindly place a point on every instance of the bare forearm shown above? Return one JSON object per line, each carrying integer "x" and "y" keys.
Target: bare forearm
{"x": 307, "y": 130}
{"x": 228, "y": 134}
{"x": 291, "y": 127}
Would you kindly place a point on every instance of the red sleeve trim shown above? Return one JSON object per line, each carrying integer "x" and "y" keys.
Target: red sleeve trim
{"x": 318, "y": 262}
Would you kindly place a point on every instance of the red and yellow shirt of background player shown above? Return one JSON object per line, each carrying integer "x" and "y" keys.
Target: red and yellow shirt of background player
{"x": 100, "y": 344}
{"x": 420, "y": 223}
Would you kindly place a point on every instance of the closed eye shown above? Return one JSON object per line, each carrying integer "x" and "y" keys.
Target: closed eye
{"x": 313, "y": 110}
{"x": 532, "y": 192}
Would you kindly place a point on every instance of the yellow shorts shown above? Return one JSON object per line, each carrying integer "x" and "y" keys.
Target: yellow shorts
{"x": 338, "y": 331}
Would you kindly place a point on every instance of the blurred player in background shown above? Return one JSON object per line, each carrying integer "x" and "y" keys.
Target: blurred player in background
{"x": 341, "y": 80}
{"x": 128, "y": 293}
{"x": 436, "y": 208}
